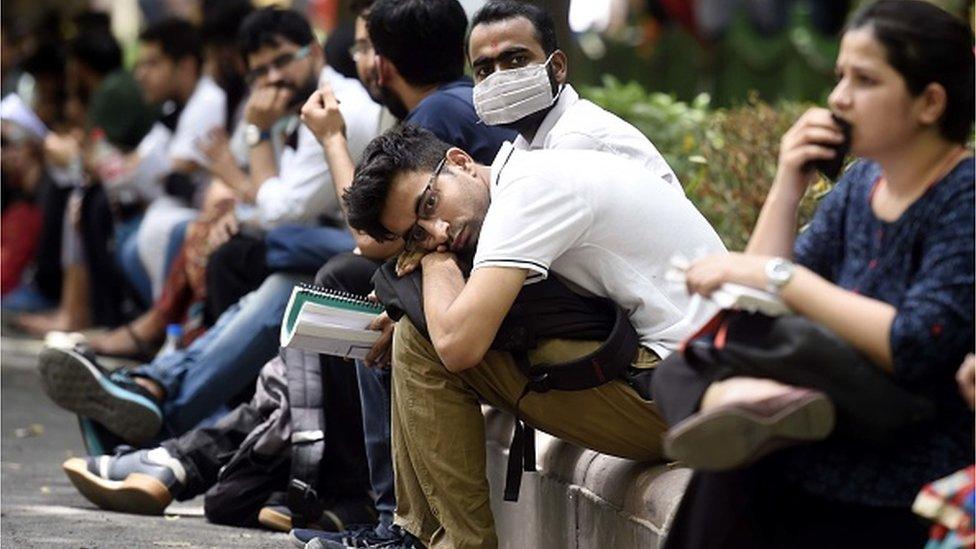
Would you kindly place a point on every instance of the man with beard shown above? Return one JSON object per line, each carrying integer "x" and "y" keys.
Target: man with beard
{"x": 521, "y": 83}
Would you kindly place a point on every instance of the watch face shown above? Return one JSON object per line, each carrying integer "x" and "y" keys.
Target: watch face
{"x": 252, "y": 134}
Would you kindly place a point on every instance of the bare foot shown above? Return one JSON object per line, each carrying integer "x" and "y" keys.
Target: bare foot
{"x": 39, "y": 324}
{"x": 741, "y": 389}
{"x": 155, "y": 389}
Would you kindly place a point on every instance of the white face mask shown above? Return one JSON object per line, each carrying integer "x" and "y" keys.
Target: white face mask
{"x": 510, "y": 95}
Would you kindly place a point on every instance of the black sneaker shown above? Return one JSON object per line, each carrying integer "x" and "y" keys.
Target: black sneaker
{"x": 380, "y": 537}
{"x": 143, "y": 482}
{"x": 75, "y": 382}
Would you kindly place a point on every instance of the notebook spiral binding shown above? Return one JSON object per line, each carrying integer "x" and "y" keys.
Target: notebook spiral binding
{"x": 339, "y": 295}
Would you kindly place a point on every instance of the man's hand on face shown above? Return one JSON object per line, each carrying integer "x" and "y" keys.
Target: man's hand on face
{"x": 322, "y": 116}
{"x": 379, "y": 355}
{"x": 266, "y": 105}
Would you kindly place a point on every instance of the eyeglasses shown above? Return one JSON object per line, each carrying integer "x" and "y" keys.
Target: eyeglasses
{"x": 360, "y": 49}
{"x": 279, "y": 63}
{"x": 426, "y": 207}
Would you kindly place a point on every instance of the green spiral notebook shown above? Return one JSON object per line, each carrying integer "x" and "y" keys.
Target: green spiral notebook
{"x": 329, "y": 322}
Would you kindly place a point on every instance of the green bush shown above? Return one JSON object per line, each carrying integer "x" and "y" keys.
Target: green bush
{"x": 725, "y": 158}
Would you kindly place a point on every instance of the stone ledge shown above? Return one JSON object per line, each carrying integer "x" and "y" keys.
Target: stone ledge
{"x": 580, "y": 498}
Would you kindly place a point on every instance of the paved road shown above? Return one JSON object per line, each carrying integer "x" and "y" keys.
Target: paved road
{"x": 39, "y": 506}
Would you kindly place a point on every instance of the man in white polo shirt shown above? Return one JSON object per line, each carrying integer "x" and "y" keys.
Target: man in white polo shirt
{"x": 600, "y": 222}
{"x": 520, "y": 82}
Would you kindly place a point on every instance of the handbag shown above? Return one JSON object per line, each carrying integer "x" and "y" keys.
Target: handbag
{"x": 871, "y": 407}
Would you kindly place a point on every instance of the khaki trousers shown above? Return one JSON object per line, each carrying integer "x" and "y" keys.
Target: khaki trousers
{"x": 439, "y": 432}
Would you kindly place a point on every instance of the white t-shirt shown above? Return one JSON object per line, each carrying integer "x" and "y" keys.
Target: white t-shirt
{"x": 204, "y": 111}
{"x": 575, "y": 123}
{"x": 603, "y": 223}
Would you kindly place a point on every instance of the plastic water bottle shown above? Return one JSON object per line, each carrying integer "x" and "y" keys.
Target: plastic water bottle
{"x": 174, "y": 333}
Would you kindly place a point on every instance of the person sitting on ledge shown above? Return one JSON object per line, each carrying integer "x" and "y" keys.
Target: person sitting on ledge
{"x": 600, "y": 222}
{"x": 887, "y": 266}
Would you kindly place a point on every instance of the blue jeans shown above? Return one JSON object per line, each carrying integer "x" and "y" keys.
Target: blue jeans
{"x": 374, "y": 392}
{"x": 303, "y": 249}
{"x": 199, "y": 379}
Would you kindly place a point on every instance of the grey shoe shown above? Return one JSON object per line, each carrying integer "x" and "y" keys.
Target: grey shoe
{"x": 75, "y": 382}
{"x": 143, "y": 482}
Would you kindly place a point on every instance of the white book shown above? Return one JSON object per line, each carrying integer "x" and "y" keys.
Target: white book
{"x": 747, "y": 298}
{"x": 329, "y": 322}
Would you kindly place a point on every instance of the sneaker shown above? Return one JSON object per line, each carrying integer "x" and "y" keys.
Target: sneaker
{"x": 143, "y": 482}
{"x": 391, "y": 537}
{"x": 739, "y": 433}
{"x": 75, "y": 382}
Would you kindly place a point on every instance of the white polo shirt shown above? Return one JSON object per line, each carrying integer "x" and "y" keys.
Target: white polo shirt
{"x": 602, "y": 222}
{"x": 575, "y": 123}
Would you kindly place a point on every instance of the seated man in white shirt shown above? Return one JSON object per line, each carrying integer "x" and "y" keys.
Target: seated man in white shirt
{"x": 171, "y": 171}
{"x": 603, "y": 223}
{"x": 521, "y": 83}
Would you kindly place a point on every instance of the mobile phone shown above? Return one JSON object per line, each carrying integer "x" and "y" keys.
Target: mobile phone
{"x": 830, "y": 167}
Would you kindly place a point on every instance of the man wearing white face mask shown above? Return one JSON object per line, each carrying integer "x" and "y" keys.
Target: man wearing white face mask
{"x": 520, "y": 83}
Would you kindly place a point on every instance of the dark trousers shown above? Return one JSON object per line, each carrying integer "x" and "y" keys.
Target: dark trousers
{"x": 53, "y": 201}
{"x": 235, "y": 269}
{"x": 352, "y": 273}
{"x": 753, "y": 507}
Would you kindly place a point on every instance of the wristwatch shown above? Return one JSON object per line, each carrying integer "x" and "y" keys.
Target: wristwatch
{"x": 254, "y": 135}
{"x": 779, "y": 272}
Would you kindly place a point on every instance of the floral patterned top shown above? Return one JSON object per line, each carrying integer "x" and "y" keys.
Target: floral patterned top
{"x": 922, "y": 264}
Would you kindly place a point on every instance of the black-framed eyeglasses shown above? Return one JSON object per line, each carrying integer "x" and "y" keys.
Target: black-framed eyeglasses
{"x": 279, "y": 63}
{"x": 426, "y": 208}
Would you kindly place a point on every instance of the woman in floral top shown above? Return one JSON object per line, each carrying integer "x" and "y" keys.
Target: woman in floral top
{"x": 887, "y": 265}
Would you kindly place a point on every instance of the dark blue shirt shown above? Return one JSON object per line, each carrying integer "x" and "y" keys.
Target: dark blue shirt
{"x": 923, "y": 265}
{"x": 449, "y": 114}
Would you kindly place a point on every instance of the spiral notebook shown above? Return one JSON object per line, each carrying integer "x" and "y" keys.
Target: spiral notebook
{"x": 329, "y": 322}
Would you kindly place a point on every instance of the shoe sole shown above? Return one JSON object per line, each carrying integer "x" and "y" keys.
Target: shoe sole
{"x": 735, "y": 437}
{"x": 274, "y": 520}
{"x": 138, "y": 493}
{"x": 75, "y": 384}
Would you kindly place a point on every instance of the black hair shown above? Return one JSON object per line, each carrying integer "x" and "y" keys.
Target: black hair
{"x": 360, "y": 7}
{"x": 926, "y": 44}
{"x": 269, "y": 26}
{"x": 96, "y": 49}
{"x": 424, "y": 39}
{"x": 177, "y": 38}
{"x": 503, "y": 10}
{"x": 405, "y": 148}
{"x": 221, "y": 19}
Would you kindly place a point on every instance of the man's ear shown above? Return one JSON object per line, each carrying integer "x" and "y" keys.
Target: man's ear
{"x": 560, "y": 66}
{"x": 385, "y": 70}
{"x": 460, "y": 159}
{"x": 931, "y": 104}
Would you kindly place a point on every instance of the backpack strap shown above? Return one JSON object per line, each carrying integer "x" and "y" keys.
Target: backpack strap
{"x": 607, "y": 363}
{"x": 307, "y": 408}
